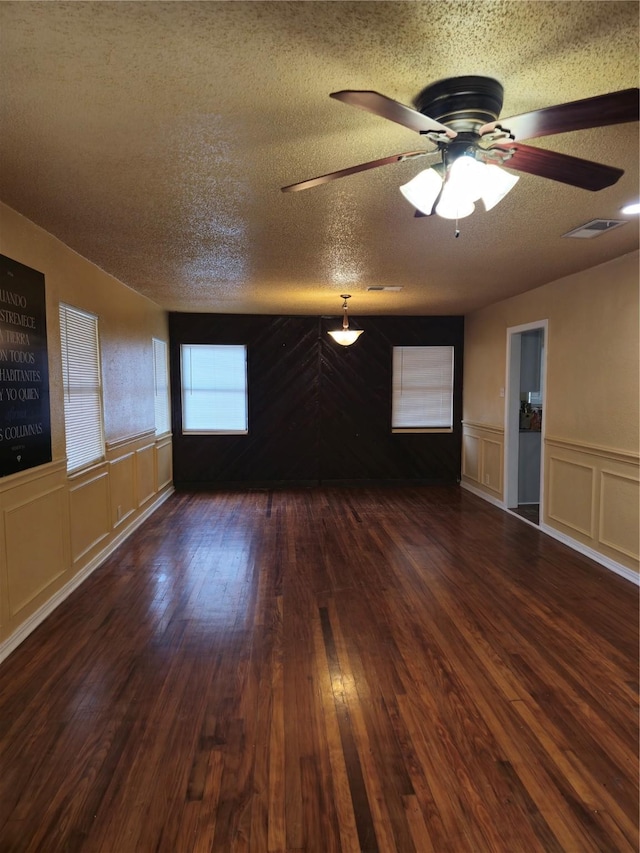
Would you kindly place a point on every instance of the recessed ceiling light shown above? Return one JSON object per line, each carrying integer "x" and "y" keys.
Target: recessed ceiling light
{"x": 634, "y": 207}
{"x": 379, "y": 288}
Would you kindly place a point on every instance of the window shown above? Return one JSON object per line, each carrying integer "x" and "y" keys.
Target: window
{"x": 82, "y": 387}
{"x": 422, "y": 399}
{"x": 161, "y": 387}
{"x": 214, "y": 388}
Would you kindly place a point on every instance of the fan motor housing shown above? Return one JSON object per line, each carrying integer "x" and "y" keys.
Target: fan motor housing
{"x": 462, "y": 103}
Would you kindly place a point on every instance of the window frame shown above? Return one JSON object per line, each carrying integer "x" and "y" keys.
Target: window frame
{"x": 424, "y": 428}
{"x": 184, "y": 390}
{"x": 76, "y": 424}
{"x": 161, "y": 387}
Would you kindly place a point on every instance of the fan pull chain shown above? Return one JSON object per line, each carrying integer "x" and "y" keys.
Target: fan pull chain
{"x": 457, "y": 231}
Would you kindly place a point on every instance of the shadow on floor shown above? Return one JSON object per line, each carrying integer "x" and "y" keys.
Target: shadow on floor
{"x": 529, "y": 511}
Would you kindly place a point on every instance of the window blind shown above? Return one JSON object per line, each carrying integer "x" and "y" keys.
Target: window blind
{"x": 214, "y": 388}
{"x": 422, "y": 396}
{"x": 161, "y": 387}
{"x": 82, "y": 387}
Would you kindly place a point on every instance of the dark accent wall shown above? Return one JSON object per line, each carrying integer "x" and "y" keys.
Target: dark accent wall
{"x": 318, "y": 412}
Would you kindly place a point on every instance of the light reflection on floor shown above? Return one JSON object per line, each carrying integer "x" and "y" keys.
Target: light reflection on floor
{"x": 213, "y": 584}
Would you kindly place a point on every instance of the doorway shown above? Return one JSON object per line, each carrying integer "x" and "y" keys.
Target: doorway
{"x": 524, "y": 419}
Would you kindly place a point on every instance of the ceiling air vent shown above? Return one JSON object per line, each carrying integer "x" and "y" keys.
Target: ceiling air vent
{"x": 379, "y": 288}
{"x": 595, "y": 228}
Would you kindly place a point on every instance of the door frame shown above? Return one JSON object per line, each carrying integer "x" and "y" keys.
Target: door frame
{"x": 512, "y": 411}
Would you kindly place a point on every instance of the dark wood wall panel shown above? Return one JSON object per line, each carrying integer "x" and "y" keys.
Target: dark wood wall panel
{"x": 318, "y": 412}
{"x": 356, "y": 440}
{"x": 282, "y": 443}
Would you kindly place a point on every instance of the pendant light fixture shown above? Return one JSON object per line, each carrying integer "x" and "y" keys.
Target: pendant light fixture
{"x": 345, "y": 336}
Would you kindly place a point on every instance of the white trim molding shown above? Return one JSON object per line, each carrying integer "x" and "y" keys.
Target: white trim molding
{"x": 481, "y": 494}
{"x": 596, "y": 556}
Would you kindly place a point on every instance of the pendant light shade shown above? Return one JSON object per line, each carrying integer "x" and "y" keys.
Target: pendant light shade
{"x": 345, "y": 336}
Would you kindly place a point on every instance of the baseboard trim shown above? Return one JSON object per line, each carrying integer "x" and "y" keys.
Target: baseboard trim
{"x": 273, "y": 485}
{"x": 479, "y": 493}
{"x": 29, "y": 625}
{"x": 592, "y": 554}
{"x": 596, "y": 556}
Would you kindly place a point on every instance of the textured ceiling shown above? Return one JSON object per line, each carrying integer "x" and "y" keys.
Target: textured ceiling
{"x": 153, "y": 138}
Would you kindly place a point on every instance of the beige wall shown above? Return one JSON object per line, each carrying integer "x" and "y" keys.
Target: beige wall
{"x": 591, "y": 418}
{"x": 55, "y": 529}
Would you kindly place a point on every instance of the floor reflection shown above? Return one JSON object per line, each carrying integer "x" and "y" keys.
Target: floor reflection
{"x": 206, "y": 580}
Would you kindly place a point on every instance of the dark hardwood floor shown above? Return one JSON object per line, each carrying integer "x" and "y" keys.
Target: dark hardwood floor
{"x": 529, "y": 511}
{"x": 328, "y": 670}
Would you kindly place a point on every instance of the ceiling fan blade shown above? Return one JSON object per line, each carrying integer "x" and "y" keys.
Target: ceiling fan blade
{"x": 601, "y": 111}
{"x": 352, "y": 170}
{"x": 560, "y": 167}
{"x": 380, "y": 105}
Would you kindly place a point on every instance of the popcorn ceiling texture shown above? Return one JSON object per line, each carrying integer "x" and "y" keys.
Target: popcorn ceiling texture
{"x": 153, "y": 138}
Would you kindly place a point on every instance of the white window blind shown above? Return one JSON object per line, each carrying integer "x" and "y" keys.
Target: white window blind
{"x": 82, "y": 387}
{"x": 422, "y": 389}
{"x": 161, "y": 387}
{"x": 214, "y": 388}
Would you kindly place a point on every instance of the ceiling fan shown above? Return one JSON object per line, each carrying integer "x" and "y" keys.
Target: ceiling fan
{"x": 460, "y": 117}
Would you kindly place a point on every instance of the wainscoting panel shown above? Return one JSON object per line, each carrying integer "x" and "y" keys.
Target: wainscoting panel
{"x": 90, "y": 512}
{"x": 593, "y": 496}
{"x": 35, "y": 547}
{"x": 34, "y": 550}
{"x": 571, "y": 495}
{"x": 122, "y": 482}
{"x": 492, "y": 465}
{"x": 163, "y": 463}
{"x": 145, "y": 473}
{"x": 471, "y": 457}
{"x": 483, "y": 458}
{"x": 4, "y": 584}
{"x": 619, "y": 513}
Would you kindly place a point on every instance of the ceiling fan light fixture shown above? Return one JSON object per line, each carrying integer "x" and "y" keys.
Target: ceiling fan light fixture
{"x": 467, "y": 178}
{"x": 452, "y": 207}
{"x": 463, "y": 186}
{"x": 345, "y": 336}
{"x": 423, "y": 190}
{"x": 497, "y": 184}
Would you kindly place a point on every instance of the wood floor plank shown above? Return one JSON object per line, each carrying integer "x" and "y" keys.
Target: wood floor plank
{"x": 330, "y": 670}
{"x": 276, "y": 820}
{"x": 348, "y": 829}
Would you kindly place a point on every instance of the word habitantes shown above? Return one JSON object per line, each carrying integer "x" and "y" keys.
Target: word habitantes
{"x": 15, "y": 374}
